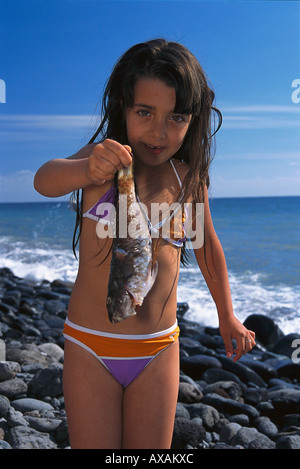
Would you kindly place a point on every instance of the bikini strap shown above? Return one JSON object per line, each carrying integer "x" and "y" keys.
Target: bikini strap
{"x": 176, "y": 173}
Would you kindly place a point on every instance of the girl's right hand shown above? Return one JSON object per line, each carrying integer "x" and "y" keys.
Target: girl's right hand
{"x": 105, "y": 160}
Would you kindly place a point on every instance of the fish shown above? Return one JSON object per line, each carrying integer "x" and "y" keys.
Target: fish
{"x": 133, "y": 270}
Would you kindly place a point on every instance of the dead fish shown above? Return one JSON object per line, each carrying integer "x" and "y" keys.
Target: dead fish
{"x": 132, "y": 270}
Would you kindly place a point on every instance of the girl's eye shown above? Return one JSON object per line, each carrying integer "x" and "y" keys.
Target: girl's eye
{"x": 143, "y": 113}
{"x": 178, "y": 119}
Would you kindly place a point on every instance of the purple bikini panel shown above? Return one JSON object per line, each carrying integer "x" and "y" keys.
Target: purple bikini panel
{"x": 125, "y": 371}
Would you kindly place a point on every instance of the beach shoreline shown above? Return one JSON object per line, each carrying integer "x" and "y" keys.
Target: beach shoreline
{"x": 251, "y": 404}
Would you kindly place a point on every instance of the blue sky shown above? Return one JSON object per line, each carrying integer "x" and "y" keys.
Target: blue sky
{"x": 55, "y": 56}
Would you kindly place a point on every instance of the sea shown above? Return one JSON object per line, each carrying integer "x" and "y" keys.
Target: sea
{"x": 259, "y": 236}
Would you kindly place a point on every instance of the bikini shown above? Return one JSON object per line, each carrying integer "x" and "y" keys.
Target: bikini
{"x": 104, "y": 212}
{"x": 124, "y": 356}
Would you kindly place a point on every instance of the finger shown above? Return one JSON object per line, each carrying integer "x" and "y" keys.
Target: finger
{"x": 228, "y": 347}
{"x": 101, "y": 166}
{"x": 128, "y": 148}
{"x": 239, "y": 350}
{"x": 107, "y": 157}
{"x": 122, "y": 152}
{"x": 253, "y": 336}
{"x": 248, "y": 344}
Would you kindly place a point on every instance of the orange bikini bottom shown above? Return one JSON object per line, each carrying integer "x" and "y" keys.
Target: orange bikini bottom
{"x": 124, "y": 356}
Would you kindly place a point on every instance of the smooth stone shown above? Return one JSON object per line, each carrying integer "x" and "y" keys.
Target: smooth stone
{"x": 264, "y": 370}
{"x": 231, "y": 388}
{"x": 27, "y": 404}
{"x": 241, "y": 419}
{"x": 290, "y": 370}
{"x": 229, "y": 406}
{"x": 245, "y": 373}
{"x": 53, "y": 350}
{"x": 211, "y": 341}
{"x": 196, "y": 365}
{"x": 216, "y": 374}
{"x": 266, "y": 426}
{"x": 281, "y": 383}
{"x": 43, "y": 424}
{"x": 266, "y": 330}
{"x": 191, "y": 346}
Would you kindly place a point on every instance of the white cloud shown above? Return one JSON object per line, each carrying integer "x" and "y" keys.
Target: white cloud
{"x": 34, "y": 128}
{"x": 47, "y": 122}
{"x": 293, "y": 109}
{"x": 261, "y": 117}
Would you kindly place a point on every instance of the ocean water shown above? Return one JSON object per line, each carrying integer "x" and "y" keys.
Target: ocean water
{"x": 260, "y": 238}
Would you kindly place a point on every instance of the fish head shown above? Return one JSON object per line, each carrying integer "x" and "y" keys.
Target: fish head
{"x": 120, "y": 305}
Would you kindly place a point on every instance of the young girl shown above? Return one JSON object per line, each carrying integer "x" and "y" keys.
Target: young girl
{"x": 121, "y": 380}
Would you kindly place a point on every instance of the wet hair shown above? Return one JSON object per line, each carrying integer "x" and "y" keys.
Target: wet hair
{"x": 177, "y": 67}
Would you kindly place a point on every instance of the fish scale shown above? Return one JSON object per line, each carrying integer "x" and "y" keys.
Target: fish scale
{"x": 132, "y": 271}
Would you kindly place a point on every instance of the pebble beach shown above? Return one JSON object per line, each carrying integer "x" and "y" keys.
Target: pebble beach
{"x": 250, "y": 404}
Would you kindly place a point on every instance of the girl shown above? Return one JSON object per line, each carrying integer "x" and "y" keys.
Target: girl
{"x": 121, "y": 380}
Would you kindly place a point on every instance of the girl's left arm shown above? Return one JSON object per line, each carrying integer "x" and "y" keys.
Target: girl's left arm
{"x": 211, "y": 261}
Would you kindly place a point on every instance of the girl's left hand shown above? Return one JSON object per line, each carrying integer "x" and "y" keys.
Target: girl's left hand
{"x": 233, "y": 329}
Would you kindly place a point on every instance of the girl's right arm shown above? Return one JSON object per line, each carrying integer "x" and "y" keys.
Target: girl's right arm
{"x": 92, "y": 164}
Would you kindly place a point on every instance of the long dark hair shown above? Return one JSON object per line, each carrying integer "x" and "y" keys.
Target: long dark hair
{"x": 177, "y": 67}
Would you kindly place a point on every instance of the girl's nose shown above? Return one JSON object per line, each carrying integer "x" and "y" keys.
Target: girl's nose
{"x": 158, "y": 129}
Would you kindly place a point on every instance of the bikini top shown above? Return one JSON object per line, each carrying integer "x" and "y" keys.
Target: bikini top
{"x": 104, "y": 212}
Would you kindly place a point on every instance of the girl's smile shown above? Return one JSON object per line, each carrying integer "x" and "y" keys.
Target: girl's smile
{"x": 155, "y": 132}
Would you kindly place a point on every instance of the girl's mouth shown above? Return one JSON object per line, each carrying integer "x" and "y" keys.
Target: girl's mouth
{"x": 154, "y": 149}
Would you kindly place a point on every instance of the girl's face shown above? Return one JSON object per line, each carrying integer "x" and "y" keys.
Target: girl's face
{"x": 155, "y": 132}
